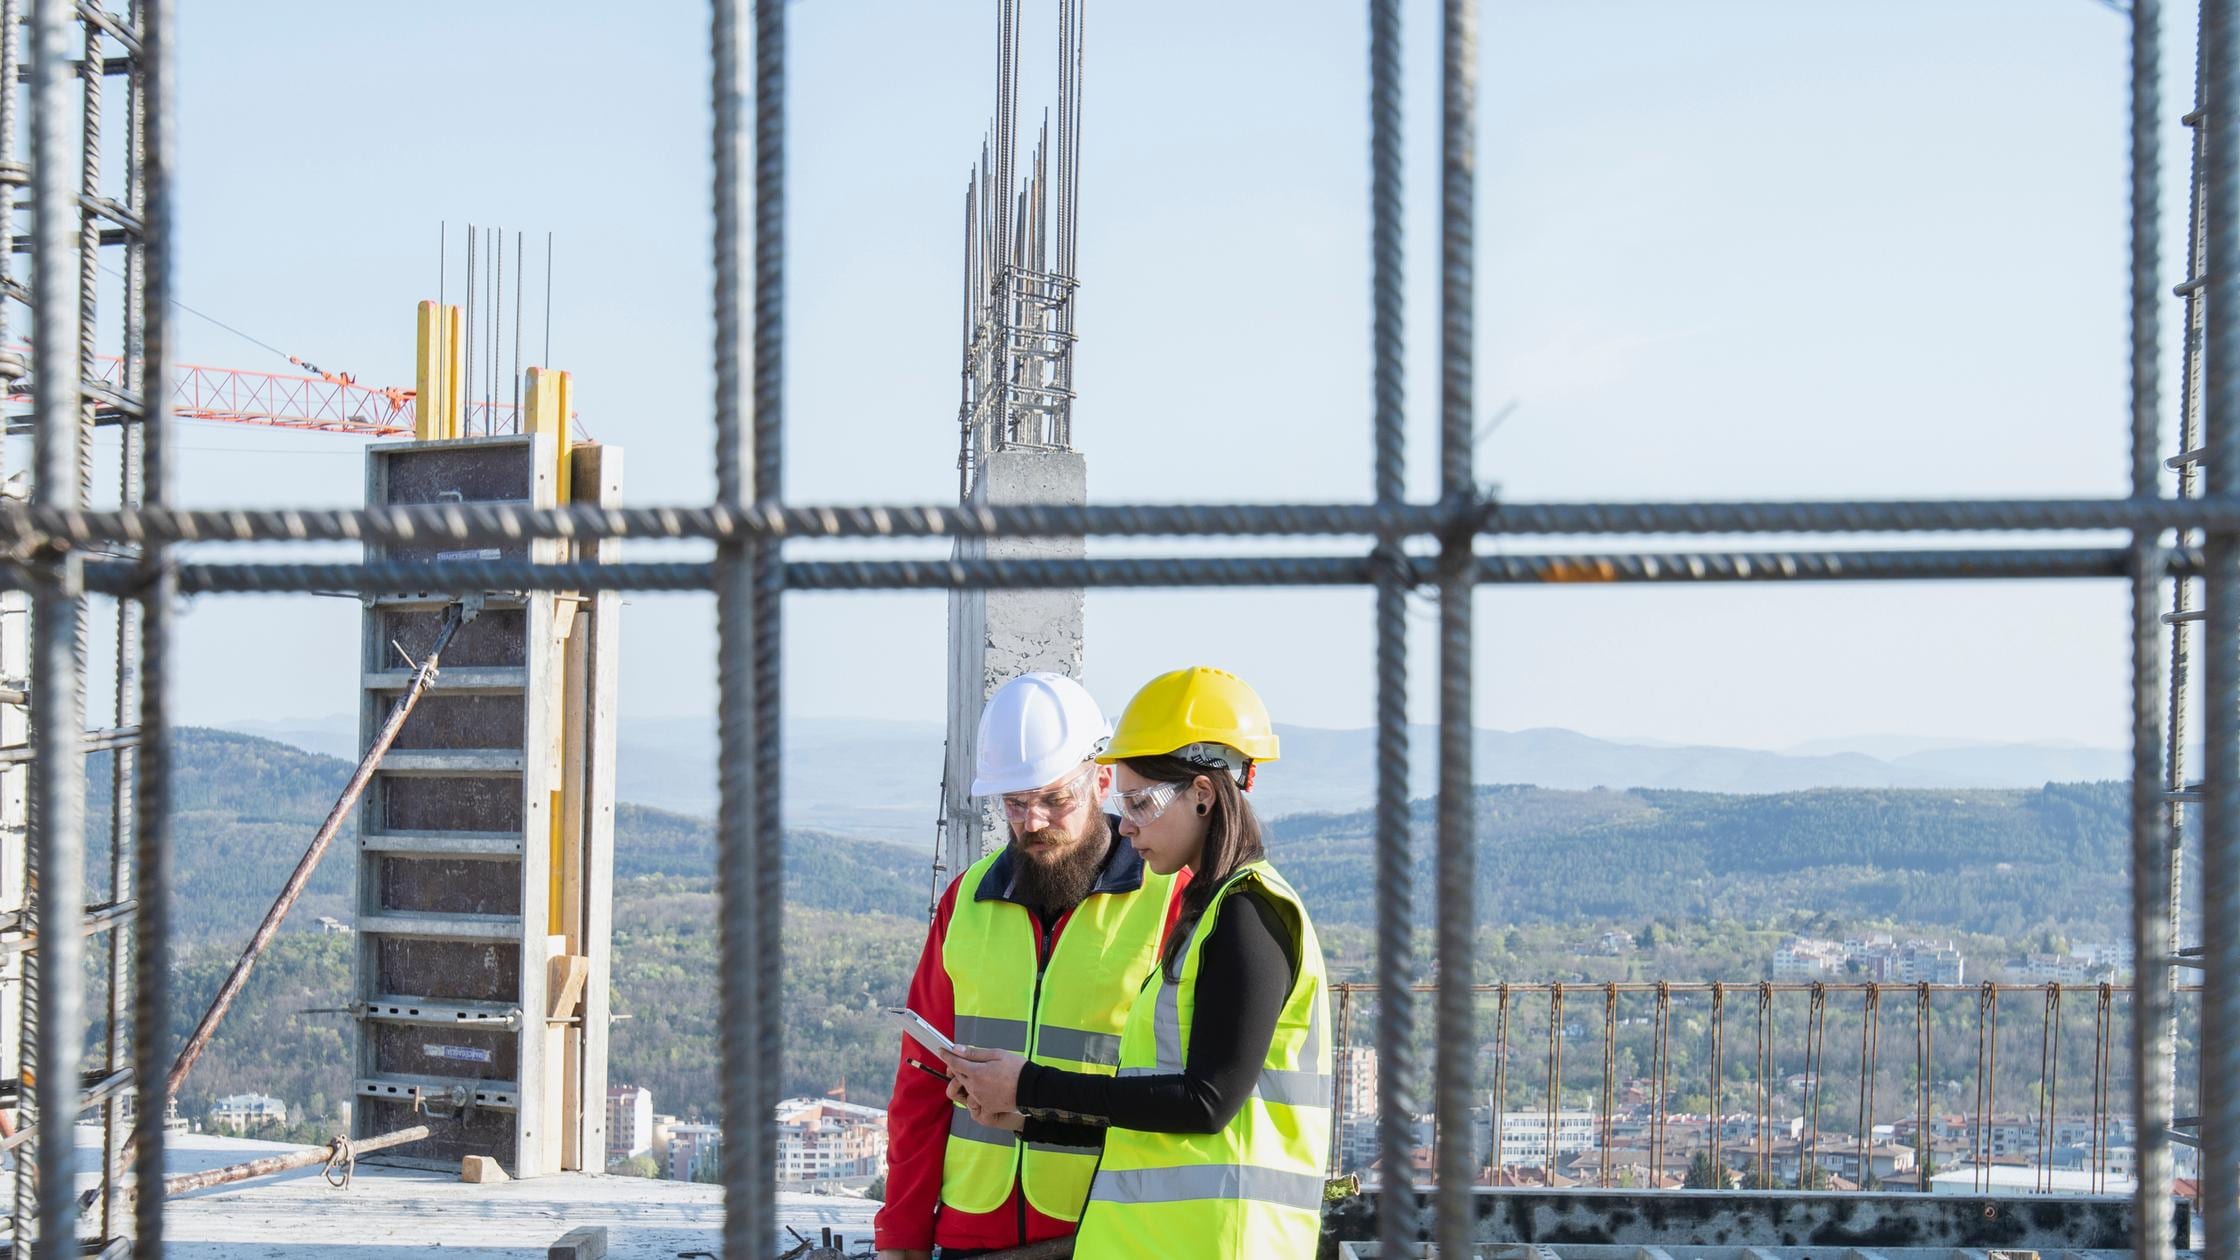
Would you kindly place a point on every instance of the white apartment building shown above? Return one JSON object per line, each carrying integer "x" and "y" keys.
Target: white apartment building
{"x": 1916, "y": 962}
{"x": 247, "y": 1111}
{"x": 1804, "y": 958}
{"x": 2058, "y": 969}
{"x": 1527, "y": 1138}
{"x": 822, "y": 1139}
{"x": 629, "y": 1121}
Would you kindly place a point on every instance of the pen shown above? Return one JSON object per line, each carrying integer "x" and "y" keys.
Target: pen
{"x": 928, "y": 1071}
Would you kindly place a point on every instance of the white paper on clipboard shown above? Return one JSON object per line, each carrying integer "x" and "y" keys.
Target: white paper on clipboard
{"x": 914, "y": 1026}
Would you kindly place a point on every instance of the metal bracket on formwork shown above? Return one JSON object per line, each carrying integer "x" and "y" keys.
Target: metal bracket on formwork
{"x": 456, "y": 1103}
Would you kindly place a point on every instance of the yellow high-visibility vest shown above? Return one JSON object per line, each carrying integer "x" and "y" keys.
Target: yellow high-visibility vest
{"x": 1067, "y": 1014}
{"x": 1255, "y": 1188}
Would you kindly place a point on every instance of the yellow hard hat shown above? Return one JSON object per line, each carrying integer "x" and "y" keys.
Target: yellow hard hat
{"x": 1199, "y": 714}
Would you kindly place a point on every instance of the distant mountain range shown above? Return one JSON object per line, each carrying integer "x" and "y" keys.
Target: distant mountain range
{"x": 883, "y": 779}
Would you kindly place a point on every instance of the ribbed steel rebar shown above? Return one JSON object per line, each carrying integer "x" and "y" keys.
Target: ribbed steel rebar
{"x": 767, "y": 573}
{"x": 1398, "y": 1215}
{"x": 490, "y": 523}
{"x": 2220, "y": 829}
{"x": 58, "y": 712}
{"x": 748, "y": 1175}
{"x": 1457, "y": 808}
{"x": 152, "y": 819}
{"x": 2152, "y": 923}
{"x": 116, "y": 1138}
{"x": 406, "y": 577}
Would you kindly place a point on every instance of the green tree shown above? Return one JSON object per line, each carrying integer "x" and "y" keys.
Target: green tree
{"x": 635, "y": 1166}
{"x": 1704, "y": 1173}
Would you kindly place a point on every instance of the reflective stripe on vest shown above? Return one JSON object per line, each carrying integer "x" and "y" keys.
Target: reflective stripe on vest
{"x": 1210, "y": 1181}
{"x": 1109, "y": 948}
{"x": 987, "y": 1033}
{"x": 1255, "y": 1188}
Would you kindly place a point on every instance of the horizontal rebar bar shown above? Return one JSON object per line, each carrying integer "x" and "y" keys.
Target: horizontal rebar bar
{"x": 488, "y": 523}
{"x": 340, "y": 1150}
{"x": 100, "y": 740}
{"x": 462, "y": 576}
{"x": 98, "y": 919}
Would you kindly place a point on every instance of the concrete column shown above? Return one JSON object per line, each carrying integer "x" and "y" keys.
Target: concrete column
{"x": 995, "y": 636}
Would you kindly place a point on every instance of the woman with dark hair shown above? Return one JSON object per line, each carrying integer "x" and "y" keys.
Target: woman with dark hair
{"x": 1218, "y": 1123}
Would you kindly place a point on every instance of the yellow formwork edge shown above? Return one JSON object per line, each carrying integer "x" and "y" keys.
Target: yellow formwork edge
{"x": 454, "y": 369}
{"x": 435, "y": 397}
{"x": 545, "y": 409}
{"x": 427, "y": 380}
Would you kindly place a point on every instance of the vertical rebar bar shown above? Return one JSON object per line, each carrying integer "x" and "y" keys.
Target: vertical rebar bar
{"x": 1762, "y": 1132}
{"x": 1870, "y": 1062}
{"x": 1397, "y": 1212}
{"x": 768, "y": 573}
{"x": 1923, "y": 1048}
{"x": 152, "y": 820}
{"x": 1555, "y": 1074}
{"x": 125, "y": 711}
{"x": 748, "y": 1223}
{"x": 58, "y": 709}
{"x": 1607, "y": 1101}
{"x": 466, "y": 354}
{"x": 1718, "y": 1080}
{"x": 1457, "y": 844}
{"x": 486, "y": 373}
{"x": 2220, "y": 771}
{"x": 11, "y": 70}
{"x": 1500, "y": 1107}
{"x": 2153, "y": 916}
{"x": 1815, "y": 1066}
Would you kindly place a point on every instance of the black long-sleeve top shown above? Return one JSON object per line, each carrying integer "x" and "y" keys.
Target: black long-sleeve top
{"x": 1244, "y": 974}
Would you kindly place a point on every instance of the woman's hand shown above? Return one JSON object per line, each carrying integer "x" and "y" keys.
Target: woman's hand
{"x": 988, "y": 1078}
{"x": 986, "y": 1116}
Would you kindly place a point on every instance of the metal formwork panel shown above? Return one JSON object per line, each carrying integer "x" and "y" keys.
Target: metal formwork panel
{"x": 462, "y": 842}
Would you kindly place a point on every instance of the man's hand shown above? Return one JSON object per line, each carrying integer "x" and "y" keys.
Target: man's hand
{"x": 990, "y": 1078}
{"x": 897, "y": 1253}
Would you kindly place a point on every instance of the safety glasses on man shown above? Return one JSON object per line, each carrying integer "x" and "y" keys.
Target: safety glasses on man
{"x": 1053, "y": 802}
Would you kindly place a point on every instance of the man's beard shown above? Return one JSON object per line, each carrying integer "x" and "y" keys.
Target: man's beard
{"x": 1055, "y": 882}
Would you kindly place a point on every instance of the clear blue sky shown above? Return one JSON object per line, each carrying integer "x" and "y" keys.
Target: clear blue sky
{"x": 1748, "y": 250}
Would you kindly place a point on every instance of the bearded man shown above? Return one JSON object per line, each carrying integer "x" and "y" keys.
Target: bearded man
{"x": 1039, "y": 948}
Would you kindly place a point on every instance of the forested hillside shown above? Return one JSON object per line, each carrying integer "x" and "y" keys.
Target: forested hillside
{"x": 1706, "y": 883}
{"x": 2004, "y": 863}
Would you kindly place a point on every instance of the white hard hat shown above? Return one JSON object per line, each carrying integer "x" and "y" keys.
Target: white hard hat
{"x": 1036, "y": 727}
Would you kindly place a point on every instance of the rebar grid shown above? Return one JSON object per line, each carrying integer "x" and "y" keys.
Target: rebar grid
{"x": 2019, "y": 1103}
{"x": 749, "y": 521}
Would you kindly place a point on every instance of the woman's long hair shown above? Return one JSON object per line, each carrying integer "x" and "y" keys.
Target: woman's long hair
{"x": 1232, "y": 839}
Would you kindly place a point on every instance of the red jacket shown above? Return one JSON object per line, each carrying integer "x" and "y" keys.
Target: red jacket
{"x": 913, "y": 1219}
